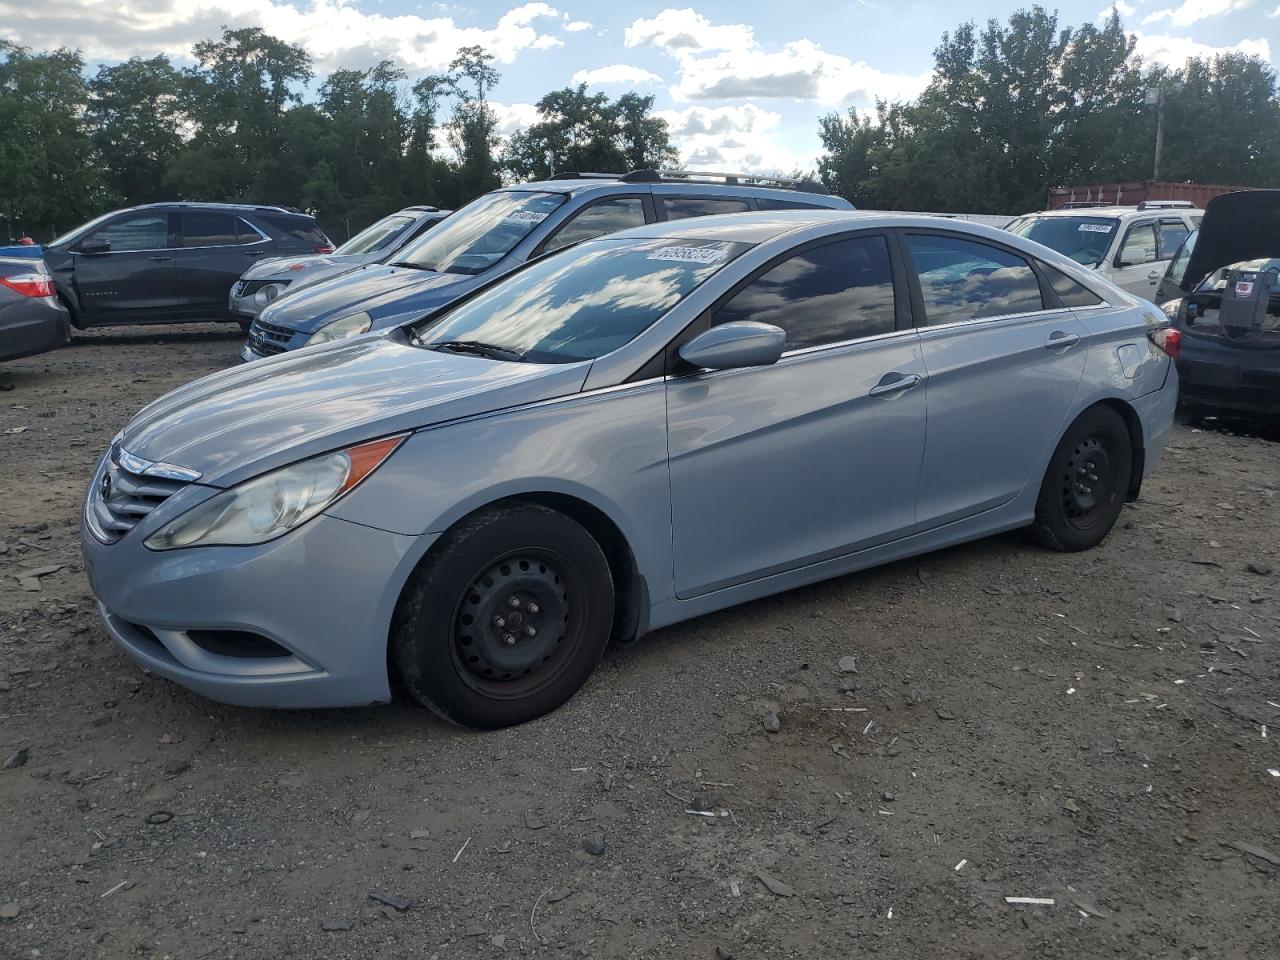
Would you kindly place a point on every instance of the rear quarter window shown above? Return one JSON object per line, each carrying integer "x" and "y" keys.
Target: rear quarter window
{"x": 1070, "y": 292}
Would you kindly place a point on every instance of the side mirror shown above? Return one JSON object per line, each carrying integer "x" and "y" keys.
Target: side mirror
{"x": 92, "y": 246}
{"x": 742, "y": 343}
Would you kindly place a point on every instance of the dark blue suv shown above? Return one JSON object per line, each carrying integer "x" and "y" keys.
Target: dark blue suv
{"x": 170, "y": 262}
{"x": 499, "y": 232}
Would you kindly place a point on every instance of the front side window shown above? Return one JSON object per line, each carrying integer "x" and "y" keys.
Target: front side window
{"x": 202, "y": 228}
{"x": 581, "y": 304}
{"x": 376, "y": 236}
{"x": 828, "y": 294}
{"x": 1083, "y": 239}
{"x": 143, "y": 231}
{"x": 608, "y": 216}
{"x": 681, "y": 208}
{"x": 481, "y": 233}
{"x": 966, "y": 280}
{"x": 1139, "y": 246}
{"x": 1172, "y": 233}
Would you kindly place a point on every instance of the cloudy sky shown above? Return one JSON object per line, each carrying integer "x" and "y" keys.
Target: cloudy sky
{"x": 741, "y": 82}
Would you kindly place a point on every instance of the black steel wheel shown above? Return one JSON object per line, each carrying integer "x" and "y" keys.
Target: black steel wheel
{"x": 1085, "y": 485}
{"x": 506, "y": 617}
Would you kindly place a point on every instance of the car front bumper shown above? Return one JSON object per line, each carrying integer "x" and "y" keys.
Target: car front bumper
{"x": 270, "y": 339}
{"x": 33, "y": 325}
{"x": 1230, "y": 378}
{"x": 319, "y": 601}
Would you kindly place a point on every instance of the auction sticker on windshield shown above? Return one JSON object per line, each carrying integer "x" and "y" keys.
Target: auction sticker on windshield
{"x": 1095, "y": 227}
{"x": 707, "y": 255}
{"x": 525, "y": 216}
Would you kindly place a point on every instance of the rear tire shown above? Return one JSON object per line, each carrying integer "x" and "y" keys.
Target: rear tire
{"x": 1085, "y": 484}
{"x": 506, "y": 618}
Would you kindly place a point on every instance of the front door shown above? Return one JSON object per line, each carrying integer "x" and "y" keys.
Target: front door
{"x": 1003, "y": 373}
{"x": 130, "y": 275}
{"x": 816, "y": 456}
{"x": 1138, "y": 259}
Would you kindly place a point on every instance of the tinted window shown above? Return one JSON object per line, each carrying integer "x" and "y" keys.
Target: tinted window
{"x": 1172, "y": 233}
{"x": 965, "y": 280}
{"x": 584, "y": 302}
{"x": 481, "y": 233}
{"x": 765, "y": 203}
{"x": 1139, "y": 245}
{"x": 681, "y": 208}
{"x": 835, "y": 292}
{"x": 1083, "y": 239}
{"x": 1179, "y": 268}
{"x": 297, "y": 227}
{"x": 143, "y": 231}
{"x": 1071, "y": 293}
{"x": 610, "y": 216}
{"x": 201, "y": 228}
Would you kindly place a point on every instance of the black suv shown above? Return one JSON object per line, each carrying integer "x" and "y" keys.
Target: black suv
{"x": 170, "y": 262}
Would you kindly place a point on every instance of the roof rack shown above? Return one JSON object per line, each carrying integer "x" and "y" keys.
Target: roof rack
{"x": 1166, "y": 205}
{"x": 698, "y": 177}
{"x": 1084, "y": 204}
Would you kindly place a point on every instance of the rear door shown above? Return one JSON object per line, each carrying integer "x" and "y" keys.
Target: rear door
{"x": 1004, "y": 363}
{"x": 132, "y": 279}
{"x": 217, "y": 247}
{"x": 817, "y": 456}
{"x": 677, "y": 207}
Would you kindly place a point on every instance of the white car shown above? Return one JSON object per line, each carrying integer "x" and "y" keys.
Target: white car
{"x": 1130, "y": 246}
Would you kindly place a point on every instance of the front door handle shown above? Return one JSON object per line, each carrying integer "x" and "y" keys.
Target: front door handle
{"x": 159, "y": 259}
{"x": 1154, "y": 276}
{"x": 899, "y": 385}
{"x": 1060, "y": 341}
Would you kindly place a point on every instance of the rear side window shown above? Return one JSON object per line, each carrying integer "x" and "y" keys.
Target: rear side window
{"x": 608, "y": 216}
{"x": 966, "y": 280}
{"x": 1070, "y": 292}
{"x": 1172, "y": 233}
{"x": 203, "y": 228}
{"x": 681, "y": 208}
{"x": 828, "y": 294}
{"x": 298, "y": 228}
{"x": 144, "y": 231}
{"x": 768, "y": 203}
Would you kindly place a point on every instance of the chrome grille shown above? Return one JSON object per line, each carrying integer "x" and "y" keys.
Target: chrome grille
{"x": 126, "y": 489}
{"x": 267, "y": 338}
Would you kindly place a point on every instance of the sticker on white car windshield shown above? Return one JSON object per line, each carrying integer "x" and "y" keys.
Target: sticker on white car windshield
{"x": 706, "y": 255}
{"x": 1095, "y": 228}
{"x": 525, "y": 216}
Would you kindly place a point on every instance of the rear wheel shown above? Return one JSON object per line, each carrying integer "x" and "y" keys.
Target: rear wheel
{"x": 506, "y": 618}
{"x": 1084, "y": 487}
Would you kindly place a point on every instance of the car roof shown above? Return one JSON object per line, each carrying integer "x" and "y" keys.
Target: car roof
{"x": 762, "y": 225}
{"x": 603, "y": 185}
{"x": 1112, "y": 211}
{"x": 206, "y": 205}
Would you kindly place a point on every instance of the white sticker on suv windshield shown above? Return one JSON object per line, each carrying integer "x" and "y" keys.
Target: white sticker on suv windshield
{"x": 689, "y": 254}
{"x": 1095, "y": 228}
{"x": 525, "y": 216}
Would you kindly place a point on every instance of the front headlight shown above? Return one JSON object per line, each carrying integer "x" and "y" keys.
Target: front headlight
{"x": 268, "y": 293}
{"x": 271, "y": 505}
{"x": 343, "y": 327}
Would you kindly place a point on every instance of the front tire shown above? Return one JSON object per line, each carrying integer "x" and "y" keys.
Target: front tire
{"x": 506, "y": 618}
{"x": 1085, "y": 484}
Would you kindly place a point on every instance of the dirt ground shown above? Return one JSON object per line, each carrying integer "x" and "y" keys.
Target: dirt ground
{"x": 1089, "y": 728}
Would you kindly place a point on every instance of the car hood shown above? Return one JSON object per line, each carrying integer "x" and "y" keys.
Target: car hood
{"x": 279, "y": 267}
{"x": 378, "y": 289}
{"x": 241, "y": 422}
{"x": 1237, "y": 227}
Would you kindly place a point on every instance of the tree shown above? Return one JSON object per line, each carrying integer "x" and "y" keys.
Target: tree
{"x": 134, "y": 119}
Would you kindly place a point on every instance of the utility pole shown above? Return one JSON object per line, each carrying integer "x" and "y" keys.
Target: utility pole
{"x": 1155, "y": 171}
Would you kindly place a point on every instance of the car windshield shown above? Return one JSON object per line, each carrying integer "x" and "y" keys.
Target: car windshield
{"x": 481, "y": 233}
{"x": 375, "y": 236}
{"x": 1083, "y": 239}
{"x": 81, "y": 230}
{"x": 581, "y": 303}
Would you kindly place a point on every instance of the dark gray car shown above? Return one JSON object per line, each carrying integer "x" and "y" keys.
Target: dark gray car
{"x": 31, "y": 318}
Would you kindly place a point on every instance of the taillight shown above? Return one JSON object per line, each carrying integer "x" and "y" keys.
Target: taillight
{"x": 29, "y": 284}
{"x": 1169, "y": 340}
{"x": 325, "y": 248}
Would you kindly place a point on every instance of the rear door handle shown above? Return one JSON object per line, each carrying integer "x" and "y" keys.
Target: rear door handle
{"x": 895, "y": 387}
{"x": 1061, "y": 341}
{"x": 159, "y": 259}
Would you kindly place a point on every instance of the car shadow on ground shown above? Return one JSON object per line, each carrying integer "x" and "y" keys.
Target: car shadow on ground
{"x": 1233, "y": 424}
{"x": 139, "y": 336}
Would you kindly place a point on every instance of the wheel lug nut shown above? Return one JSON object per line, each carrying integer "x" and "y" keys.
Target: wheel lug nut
{"x": 499, "y": 621}
{"x": 509, "y": 640}
{"x": 515, "y": 603}
{"x": 530, "y": 632}
{"x": 533, "y": 607}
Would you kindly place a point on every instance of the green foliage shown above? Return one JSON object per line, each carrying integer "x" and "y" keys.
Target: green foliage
{"x": 1016, "y": 109}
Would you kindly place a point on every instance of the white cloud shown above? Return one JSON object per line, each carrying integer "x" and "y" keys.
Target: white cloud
{"x": 617, "y": 73}
{"x": 1124, "y": 9}
{"x": 719, "y": 62}
{"x": 1176, "y": 51}
{"x": 514, "y": 117}
{"x": 576, "y": 26}
{"x": 738, "y": 137}
{"x": 699, "y": 121}
{"x": 334, "y": 32}
{"x": 1193, "y": 11}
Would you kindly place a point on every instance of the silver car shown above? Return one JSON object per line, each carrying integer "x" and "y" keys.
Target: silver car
{"x": 639, "y": 429}
{"x": 267, "y": 280}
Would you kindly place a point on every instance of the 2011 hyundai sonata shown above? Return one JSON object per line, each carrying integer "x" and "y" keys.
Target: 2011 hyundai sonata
{"x": 636, "y": 430}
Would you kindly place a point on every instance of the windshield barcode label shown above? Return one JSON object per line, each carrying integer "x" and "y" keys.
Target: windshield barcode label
{"x": 689, "y": 254}
{"x": 1094, "y": 228}
{"x": 525, "y": 216}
